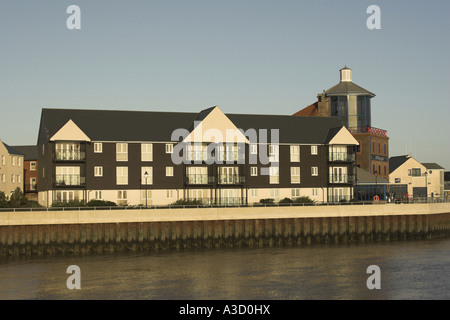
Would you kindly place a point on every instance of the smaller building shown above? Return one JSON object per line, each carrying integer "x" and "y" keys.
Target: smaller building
{"x": 410, "y": 178}
{"x": 11, "y": 169}
{"x": 30, "y": 171}
{"x": 369, "y": 187}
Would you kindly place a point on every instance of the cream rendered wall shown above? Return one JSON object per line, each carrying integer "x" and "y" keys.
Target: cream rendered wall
{"x": 7, "y": 169}
{"x": 402, "y": 173}
{"x": 435, "y": 184}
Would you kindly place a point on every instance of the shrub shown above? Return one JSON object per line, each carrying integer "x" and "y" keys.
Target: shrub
{"x": 72, "y": 204}
{"x": 267, "y": 201}
{"x": 304, "y": 199}
{"x": 4, "y": 201}
{"x": 187, "y": 202}
{"x": 286, "y": 200}
{"x": 101, "y": 203}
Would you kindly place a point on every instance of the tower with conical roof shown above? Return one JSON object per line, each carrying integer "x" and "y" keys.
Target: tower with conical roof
{"x": 351, "y": 104}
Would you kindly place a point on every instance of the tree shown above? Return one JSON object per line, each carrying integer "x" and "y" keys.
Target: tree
{"x": 18, "y": 199}
{"x": 4, "y": 201}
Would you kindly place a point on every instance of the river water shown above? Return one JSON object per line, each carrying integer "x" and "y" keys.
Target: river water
{"x": 408, "y": 270}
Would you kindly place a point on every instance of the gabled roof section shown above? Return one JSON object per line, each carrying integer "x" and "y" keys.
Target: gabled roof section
{"x": 395, "y": 162}
{"x": 70, "y": 132}
{"x": 341, "y": 136}
{"x": 11, "y": 150}
{"x": 30, "y": 152}
{"x": 432, "y": 165}
{"x": 348, "y": 87}
{"x": 212, "y": 125}
{"x": 310, "y": 111}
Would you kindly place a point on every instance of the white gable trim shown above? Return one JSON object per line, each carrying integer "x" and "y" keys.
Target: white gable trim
{"x": 216, "y": 127}
{"x": 344, "y": 137}
{"x": 70, "y": 132}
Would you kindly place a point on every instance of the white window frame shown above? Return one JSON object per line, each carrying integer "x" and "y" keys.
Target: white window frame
{"x": 295, "y": 192}
{"x": 274, "y": 153}
{"x": 3, "y": 160}
{"x": 253, "y": 149}
{"x": 122, "y": 195}
{"x": 19, "y": 161}
{"x": 146, "y": 151}
{"x": 169, "y": 147}
{"x": 295, "y": 153}
{"x": 98, "y": 171}
{"x": 121, "y": 176}
{"x": 315, "y": 192}
{"x": 314, "y": 150}
{"x": 33, "y": 184}
{"x": 295, "y": 175}
{"x": 314, "y": 171}
{"x": 254, "y": 193}
{"x": 98, "y": 195}
{"x": 274, "y": 175}
{"x": 33, "y": 166}
{"x": 254, "y": 171}
{"x": 275, "y": 194}
{"x": 98, "y": 147}
{"x": 121, "y": 151}
{"x": 169, "y": 194}
{"x": 169, "y": 171}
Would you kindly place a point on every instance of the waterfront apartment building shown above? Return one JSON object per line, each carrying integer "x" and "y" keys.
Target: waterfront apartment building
{"x": 156, "y": 158}
{"x": 351, "y": 104}
{"x": 408, "y": 176}
{"x": 30, "y": 171}
{"x": 11, "y": 169}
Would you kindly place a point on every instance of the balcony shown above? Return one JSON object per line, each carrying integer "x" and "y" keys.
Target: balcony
{"x": 231, "y": 179}
{"x": 341, "y": 179}
{"x": 70, "y": 155}
{"x": 368, "y": 129}
{"x": 199, "y": 179}
{"x": 69, "y": 180}
{"x": 341, "y": 157}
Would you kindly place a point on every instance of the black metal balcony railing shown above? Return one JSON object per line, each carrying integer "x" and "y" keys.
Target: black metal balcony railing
{"x": 231, "y": 179}
{"x": 341, "y": 157}
{"x": 69, "y": 180}
{"x": 199, "y": 179}
{"x": 341, "y": 178}
{"x": 70, "y": 155}
{"x": 218, "y": 156}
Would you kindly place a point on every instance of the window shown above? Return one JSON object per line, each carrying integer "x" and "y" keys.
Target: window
{"x": 169, "y": 147}
{"x": 295, "y": 153}
{"x": 32, "y": 184}
{"x": 98, "y": 195}
{"x": 43, "y": 149}
{"x": 122, "y": 175}
{"x": 314, "y": 150}
{"x": 314, "y": 171}
{"x": 253, "y": 149}
{"x": 254, "y": 193}
{"x": 385, "y": 149}
{"x": 2, "y": 177}
{"x": 169, "y": 171}
{"x": 121, "y": 151}
{"x": 33, "y": 166}
{"x": 122, "y": 195}
{"x": 13, "y": 178}
{"x": 295, "y": 192}
{"x": 19, "y": 161}
{"x": 273, "y": 153}
{"x": 98, "y": 147}
{"x": 315, "y": 192}
{"x": 146, "y": 152}
{"x": 147, "y": 175}
{"x": 98, "y": 171}
{"x": 169, "y": 194}
{"x": 275, "y": 194}
{"x": 274, "y": 175}
{"x": 19, "y": 179}
{"x": 295, "y": 174}
{"x": 13, "y": 161}
{"x": 146, "y": 197}
{"x": 253, "y": 171}
{"x": 3, "y": 160}
{"x": 416, "y": 172}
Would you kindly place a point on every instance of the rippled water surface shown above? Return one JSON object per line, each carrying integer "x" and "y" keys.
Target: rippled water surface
{"x": 409, "y": 270}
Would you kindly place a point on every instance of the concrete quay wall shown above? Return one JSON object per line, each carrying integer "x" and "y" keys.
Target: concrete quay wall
{"x": 79, "y": 232}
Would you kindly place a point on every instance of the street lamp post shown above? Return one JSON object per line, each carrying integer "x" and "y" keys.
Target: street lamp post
{"x": 146, "y": 192}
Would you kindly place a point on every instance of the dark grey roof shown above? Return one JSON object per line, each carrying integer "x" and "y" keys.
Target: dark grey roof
{"x": 11, "y": 150}
{"x": 432, "y": 165}
{"x": 30, "y": 152}
{"x": 395, "y": 162}
{"x": 107, "y": 125}
{"x": 365, "y": 177}
{"x": 348, "y": 87}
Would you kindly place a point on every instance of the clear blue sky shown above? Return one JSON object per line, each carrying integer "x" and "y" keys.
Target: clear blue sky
{"x": 245, "y": 56}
